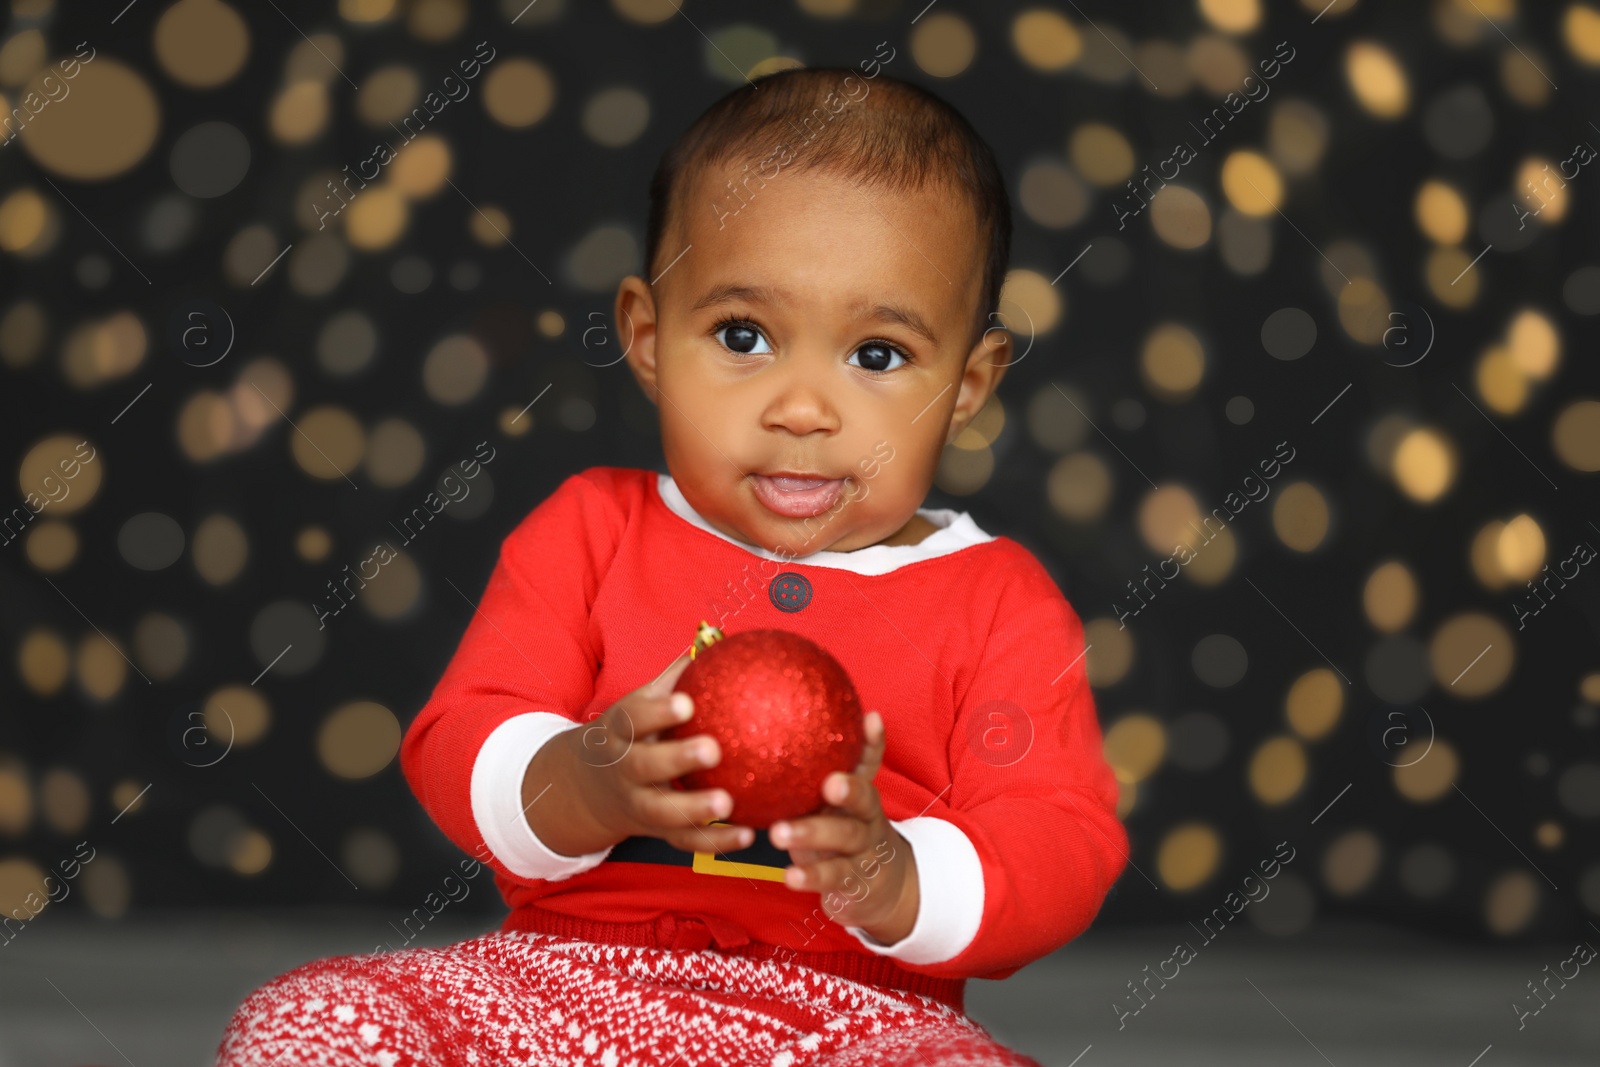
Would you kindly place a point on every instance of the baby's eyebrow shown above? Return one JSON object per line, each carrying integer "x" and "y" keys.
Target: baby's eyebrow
{"x": 900, "y": 316}
{"x": 730, "y": 292}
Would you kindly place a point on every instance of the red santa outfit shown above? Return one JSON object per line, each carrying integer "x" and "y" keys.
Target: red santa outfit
{"x": 993, "y": 774}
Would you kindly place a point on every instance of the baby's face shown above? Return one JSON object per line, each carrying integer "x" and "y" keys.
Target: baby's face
{"x": 811, "y": 354}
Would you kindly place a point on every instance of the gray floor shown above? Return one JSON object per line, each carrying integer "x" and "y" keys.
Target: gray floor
{"x": 155, "y": 993}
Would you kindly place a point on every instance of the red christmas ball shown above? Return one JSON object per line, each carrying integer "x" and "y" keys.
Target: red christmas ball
{"x": 784, "y": 712}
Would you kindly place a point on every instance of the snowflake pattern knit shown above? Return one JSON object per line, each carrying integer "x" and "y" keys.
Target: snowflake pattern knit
{"x": 520, "y": 998}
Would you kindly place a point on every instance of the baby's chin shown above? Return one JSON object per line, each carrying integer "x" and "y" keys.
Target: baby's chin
{"x": 799, "y": 540}
{"x": 785, "y": 537}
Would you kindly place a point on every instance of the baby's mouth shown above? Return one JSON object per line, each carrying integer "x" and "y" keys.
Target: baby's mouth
{"x": 795, "y": 496}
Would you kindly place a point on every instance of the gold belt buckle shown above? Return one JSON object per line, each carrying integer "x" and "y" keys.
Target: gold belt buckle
{"x": 708, "y": 863}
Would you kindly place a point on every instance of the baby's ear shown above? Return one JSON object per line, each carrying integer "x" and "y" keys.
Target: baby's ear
{"x": 635, "y": 317}
{"x": 986, "y": 365}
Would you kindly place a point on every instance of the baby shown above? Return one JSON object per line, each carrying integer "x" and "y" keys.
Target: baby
{"x": 825, "y": 249}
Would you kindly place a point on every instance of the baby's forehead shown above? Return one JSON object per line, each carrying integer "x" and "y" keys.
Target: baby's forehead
{"x": 727, "y": 193}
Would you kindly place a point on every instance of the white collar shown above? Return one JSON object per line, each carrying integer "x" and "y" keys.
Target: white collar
{"x": 956, "y": 531}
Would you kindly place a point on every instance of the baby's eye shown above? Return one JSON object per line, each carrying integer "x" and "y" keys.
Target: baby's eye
{"x": 877, "y": 356}
{"x": 743, "y": 338}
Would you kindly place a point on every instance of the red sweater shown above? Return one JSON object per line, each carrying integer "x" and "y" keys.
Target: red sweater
{"x": 993, "y": 770}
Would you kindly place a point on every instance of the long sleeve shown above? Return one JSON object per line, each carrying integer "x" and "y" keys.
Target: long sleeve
{"x": 523, "y": 671}
{"x": 497, "y": 808}
{"x": 950, "y": 876}
{"x": 1014, "y": 861}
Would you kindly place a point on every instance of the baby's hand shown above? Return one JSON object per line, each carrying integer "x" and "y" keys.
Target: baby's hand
{"x": 627, "y": 773}
{"x": 851, "y": 851}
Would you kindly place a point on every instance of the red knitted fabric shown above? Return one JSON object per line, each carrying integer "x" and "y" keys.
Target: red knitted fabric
{"x": 713, "y": 931}
{"x": 546, "y": 1001}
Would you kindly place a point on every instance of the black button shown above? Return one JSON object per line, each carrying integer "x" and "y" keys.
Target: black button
{"x": 789, "y": 591}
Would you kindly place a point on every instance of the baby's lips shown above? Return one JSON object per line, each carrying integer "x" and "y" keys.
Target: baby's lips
{"x": 799, "y": 502}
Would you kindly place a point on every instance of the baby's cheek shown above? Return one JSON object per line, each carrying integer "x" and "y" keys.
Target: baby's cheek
{"x": 895, "y": 494}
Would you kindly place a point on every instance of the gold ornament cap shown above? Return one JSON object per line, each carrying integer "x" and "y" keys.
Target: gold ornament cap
{"x": 705, "y": 636}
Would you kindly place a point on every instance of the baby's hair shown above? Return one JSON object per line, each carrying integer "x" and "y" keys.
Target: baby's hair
{"x": 878, "y": 130}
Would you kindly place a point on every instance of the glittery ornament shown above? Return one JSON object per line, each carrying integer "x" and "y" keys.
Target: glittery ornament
{"x": 784, "y": 712}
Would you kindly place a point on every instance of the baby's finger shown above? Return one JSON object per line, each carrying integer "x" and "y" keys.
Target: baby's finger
{"x": 826, "y": 833}
{"x": 660, "y": 808}
{"x": 715, "y": 839}
{"x": 853, "y": 795}
{"x": 872, "y": 751}
{"x": 824, "y": 876}
{"x": 668, "y": 678}
{"x": 647, "y": 713}
{"x": 662, "y": 761}
{"x": 804, "y": 856}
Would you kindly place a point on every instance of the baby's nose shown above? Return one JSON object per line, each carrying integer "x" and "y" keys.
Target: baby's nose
{"x": 801, "y": 406}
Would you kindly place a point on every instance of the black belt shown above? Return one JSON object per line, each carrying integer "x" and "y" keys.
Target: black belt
{"x": 762, "y": 859}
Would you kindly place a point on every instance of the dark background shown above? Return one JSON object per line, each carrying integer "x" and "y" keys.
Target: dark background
{"x": 1502, "y": 846}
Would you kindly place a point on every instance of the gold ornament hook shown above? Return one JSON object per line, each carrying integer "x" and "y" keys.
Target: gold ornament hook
{"x": 705, "y": 636}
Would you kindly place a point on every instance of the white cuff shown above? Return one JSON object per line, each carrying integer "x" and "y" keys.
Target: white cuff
{"x": 497, "y": 775}
{"x": 950, "y": 886}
